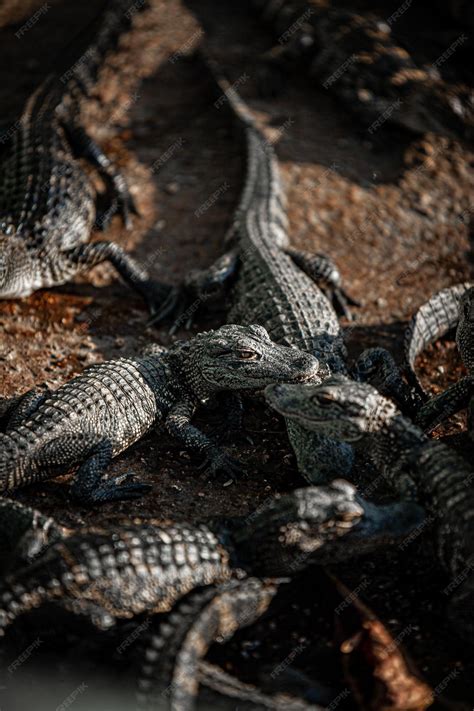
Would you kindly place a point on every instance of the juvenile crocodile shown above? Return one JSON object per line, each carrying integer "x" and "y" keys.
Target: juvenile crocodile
{"x": 279, "y": 287}
{"x": 173, "y": 666}
{"x": 414, "y": 465}
{"x": 108, "y": 407}
{"x": 145, "y": 565}
{"x": 47, "y": 201}
{"x": 449, "y": 308}
{"x": 355, "y": 57}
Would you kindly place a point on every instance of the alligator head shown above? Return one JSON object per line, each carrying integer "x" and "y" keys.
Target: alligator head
{"x": 319, "y": 524}
{"x": 339, "y": 407}
{"x": 244, "y": 358}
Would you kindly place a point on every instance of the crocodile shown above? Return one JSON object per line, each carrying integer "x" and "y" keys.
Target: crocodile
{"x": 145, "y": 565}
{"x": 449, "y": 308}
{"x": 415, "y": 466}
{"x": 203, "y": 576}
{"x": 203, "y": 617}
{"x": 111, "y": 405}
{"x": 47, "y": 201}
{"x": 356, "y": 58}
{"x": 293, "y": 294}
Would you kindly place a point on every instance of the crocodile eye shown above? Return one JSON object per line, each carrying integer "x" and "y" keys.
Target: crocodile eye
{"x": 325, "y": 400}
{"x": 248, "y": 355}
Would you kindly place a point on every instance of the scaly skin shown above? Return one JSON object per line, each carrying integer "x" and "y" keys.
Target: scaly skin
{"x": 173, "y": 667}
{"x": 414, "y": 465}
{"x": 448, "y": 308}
{"x": 355, "y": 57}
{"x": 47, "y": 201}
{"x": 432, "y": 321}
{"x": 278, "y": 287}
{"x": 107, "y": 408}
{"x": 170, "y": 672}
{"x": 145, "y": 565}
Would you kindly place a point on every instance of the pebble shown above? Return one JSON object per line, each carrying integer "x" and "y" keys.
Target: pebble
{"x": 172, "y": 188}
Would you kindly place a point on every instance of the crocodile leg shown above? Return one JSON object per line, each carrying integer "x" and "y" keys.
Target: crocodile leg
{"x": 439, "y": 408}
{"x": 95, "y": 453}
{"x": 86, "y": 256}
{"x": 320, "y": 459}
{"x": 200, "y": 285}
{"x": 26, "y": 406}
{"x": 84, "y": 146}
{"x": 324, "y": 272}
{"x": 232, "y": 405}
{"x": 377, "y": 367}
{"x": 178, "y": 424}
{"x": 169, "y": 674}
{"x": 24, "y": 533}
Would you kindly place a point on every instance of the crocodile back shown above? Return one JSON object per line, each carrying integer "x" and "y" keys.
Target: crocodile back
{"x": 46, "y": 200}
{"x": 116, "y": 401}
{"x": 271, "y": 289}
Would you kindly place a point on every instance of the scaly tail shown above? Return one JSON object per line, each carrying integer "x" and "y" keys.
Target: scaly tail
{"x": 27, "y": 590}
{"x": 170, "y": 675}
{"x": 432, "y": 320}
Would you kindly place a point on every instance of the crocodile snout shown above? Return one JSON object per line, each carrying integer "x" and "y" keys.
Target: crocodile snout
{"x": 306, "y": 369}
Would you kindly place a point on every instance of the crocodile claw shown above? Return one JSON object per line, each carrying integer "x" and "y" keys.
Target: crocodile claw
{"x": 217, "y": 460}
{"x": 121, "y": 487}
{"x": 161, "y": 301}
{"x": 171, "y": 306}
{"x": 341, "y": 302}
{"x": 126, "y": 207}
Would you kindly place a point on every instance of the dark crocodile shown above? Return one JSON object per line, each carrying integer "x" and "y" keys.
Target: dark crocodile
{"x": 141, "y": 565}
{"x": 355, "y": 56}
{"x": 47, "y": 201}
{"x": 135, "y": 566}
{"x": 415, "y": 466}
{"x": 108, "y": 407}
{"x": 173, "y": 665}
{"x": 281, "y": 288}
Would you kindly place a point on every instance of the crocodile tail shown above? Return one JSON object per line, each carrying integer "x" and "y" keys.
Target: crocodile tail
{"x": 432, "y": 321}
{"x": 26, "y": 590}
{"x": 113, "y": 22}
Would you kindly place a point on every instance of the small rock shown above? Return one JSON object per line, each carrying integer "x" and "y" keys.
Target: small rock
{"x": 172, "y": 188}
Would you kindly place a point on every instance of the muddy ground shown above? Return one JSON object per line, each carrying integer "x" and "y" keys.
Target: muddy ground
{"x": 392, "y": 209}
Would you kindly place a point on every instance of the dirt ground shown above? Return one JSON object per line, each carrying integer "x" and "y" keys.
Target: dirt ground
{"x": 393, "y": 211}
